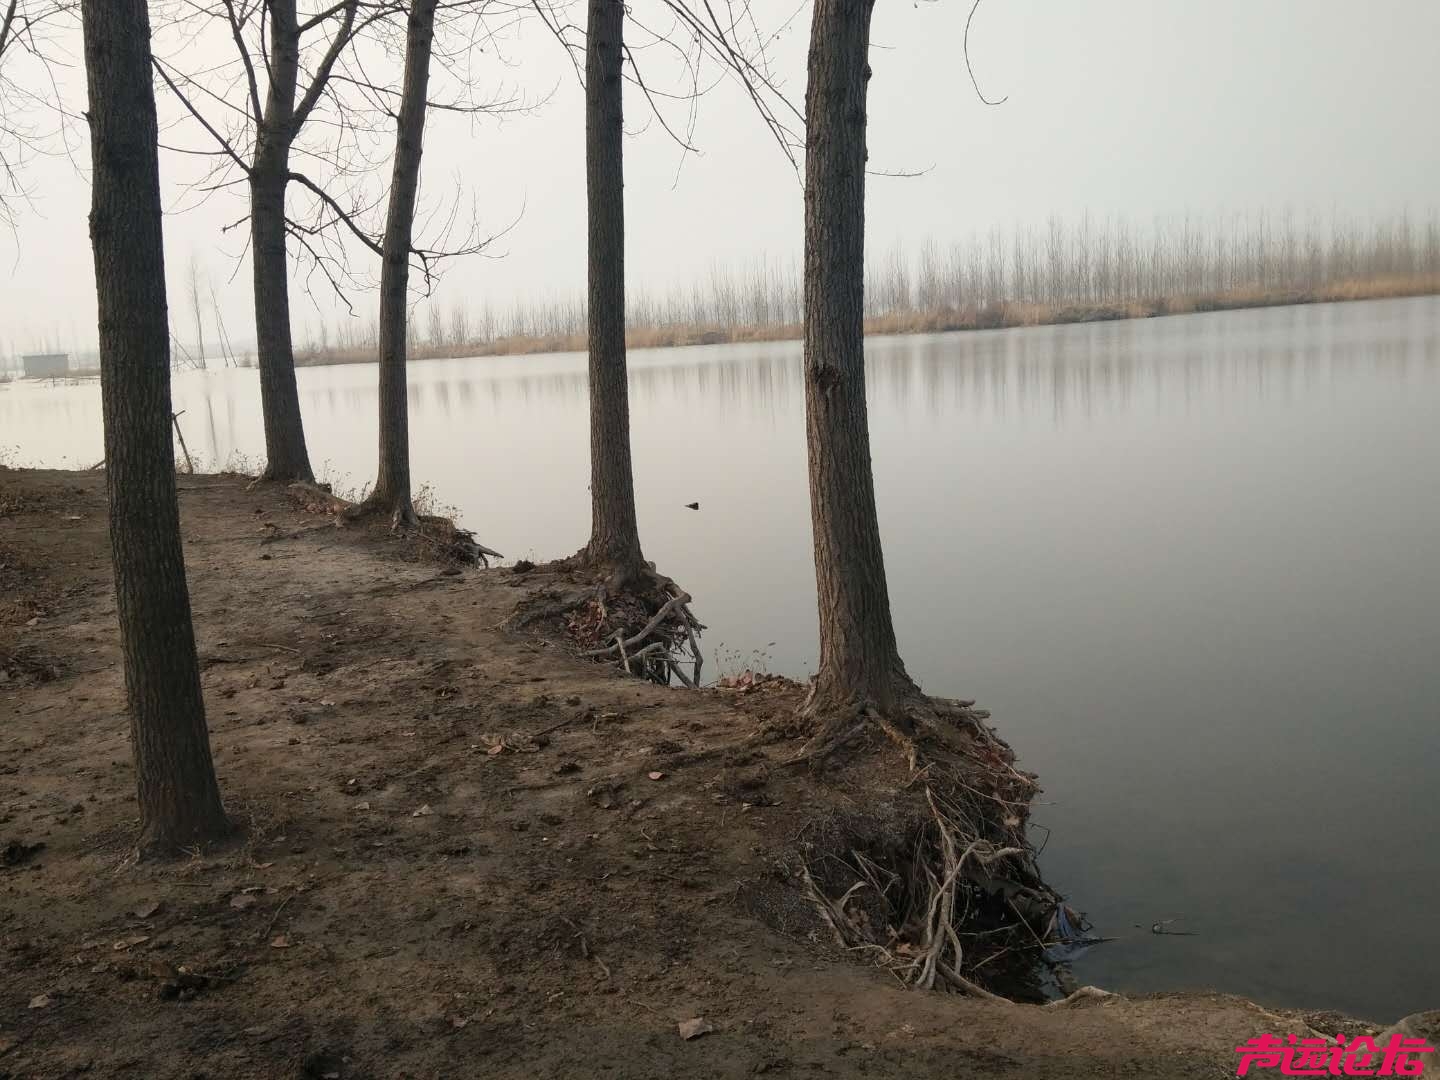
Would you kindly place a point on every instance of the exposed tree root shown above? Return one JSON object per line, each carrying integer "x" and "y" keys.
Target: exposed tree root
{"x": 958, "y": 902}
{"x": 208, "y": 836}
{"x": 398, "y": 511}
{"x": 647, "y": 627}
{"x": 440, "y": 536}
{"x": 912, "y": 723}
{"x": 274, "y": 475}
{"x": 676, "y": 601}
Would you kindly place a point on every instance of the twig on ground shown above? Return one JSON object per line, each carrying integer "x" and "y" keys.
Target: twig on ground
{"x": 275, "y": 918}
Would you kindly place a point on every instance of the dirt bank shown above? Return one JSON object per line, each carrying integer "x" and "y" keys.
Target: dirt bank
{"x": 466, "y": 852}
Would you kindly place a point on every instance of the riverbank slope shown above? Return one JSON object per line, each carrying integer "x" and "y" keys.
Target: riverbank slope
{"x": 465, "y": 850}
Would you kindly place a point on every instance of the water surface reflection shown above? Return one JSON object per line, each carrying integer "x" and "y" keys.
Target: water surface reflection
{"x": 1192, "y": 564}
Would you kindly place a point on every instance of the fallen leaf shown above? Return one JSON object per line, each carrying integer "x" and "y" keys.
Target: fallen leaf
{"x": 130, "y": 942}
{"x": 362, "y": 806}
{"x": 693, "y": 1029}
{"x": 657, "y": 776}
{"x": 498, "y": 748}
{"x": 148, "y": 909}
{"x": 281, "y": 941}
{"x": 241, "y": 901}
{"x": 41, "y": 1001}
{"x": 424, "y": 811}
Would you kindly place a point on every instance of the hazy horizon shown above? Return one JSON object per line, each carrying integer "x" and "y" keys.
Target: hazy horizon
{"x": 1121, "y": 109}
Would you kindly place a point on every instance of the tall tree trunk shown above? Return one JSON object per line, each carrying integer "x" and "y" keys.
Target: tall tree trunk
{"x": 859, "y": 662}
{"x": 614, "y": 534}
{"x": 179, "y": 797}
{"x": 392, "y": 485}
{"x": 286, "y": 457}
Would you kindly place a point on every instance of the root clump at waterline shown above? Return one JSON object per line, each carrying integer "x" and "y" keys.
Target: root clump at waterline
{"x": 642, "y": 624}
{"x": 936, "y": 879}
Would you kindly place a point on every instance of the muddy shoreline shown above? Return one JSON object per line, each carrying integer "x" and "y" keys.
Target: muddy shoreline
{"x": 464, "y": 849}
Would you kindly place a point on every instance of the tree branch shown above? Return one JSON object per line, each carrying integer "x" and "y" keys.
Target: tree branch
{"x": 978, "y": 92}
{"x": 223, "y": 142}
{"x": 340, "y": 213}
{"x": 322, "y": 73}
{"x": 6, "y": 26}
{"x": 311, "y": 23}
{"x": 235, "y": 32}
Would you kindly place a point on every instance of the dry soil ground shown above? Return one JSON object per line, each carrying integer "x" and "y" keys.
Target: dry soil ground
{"x": 454, "y": 859}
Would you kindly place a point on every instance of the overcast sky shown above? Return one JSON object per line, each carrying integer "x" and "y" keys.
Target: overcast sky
{"x": 1128, "y": 107}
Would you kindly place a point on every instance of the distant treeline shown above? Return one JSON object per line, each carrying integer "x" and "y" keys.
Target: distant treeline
{"x": 1079, "y": 271}
{"x": 1073, "y": 271}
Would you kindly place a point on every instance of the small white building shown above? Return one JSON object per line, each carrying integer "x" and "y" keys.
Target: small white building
{"x": 46, "y": 365}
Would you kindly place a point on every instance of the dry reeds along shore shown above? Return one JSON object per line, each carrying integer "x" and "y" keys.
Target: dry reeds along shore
{"x": 1082, "y": 271}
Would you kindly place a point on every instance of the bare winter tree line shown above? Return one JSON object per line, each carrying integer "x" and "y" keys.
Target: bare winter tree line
{"x": 1059, "y": 272}
{"x": 294, "y": 70}
{"x": 969, "y": 803}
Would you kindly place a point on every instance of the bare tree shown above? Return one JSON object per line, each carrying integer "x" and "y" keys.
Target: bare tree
{"x": 346, "y": 103}
{"x": 179, "y": 797}
{"x": 270, "y": 38}
{"x": 391, "y": 495}
{"x": 861, "y": 676}
{"x": 696, "y": 34}
{"x": 614, "y": 533}
{"x": 860, "y": 665}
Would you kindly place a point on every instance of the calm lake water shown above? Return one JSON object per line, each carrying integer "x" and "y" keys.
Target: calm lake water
{"x": 1191, "y": 564}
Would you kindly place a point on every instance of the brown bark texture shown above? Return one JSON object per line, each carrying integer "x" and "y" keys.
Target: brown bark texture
{"x": 615, "y": 535}
{"x": 392, "y": 484}
{"x": 286, "y": 456}
{"x": 179, "y": 797}
{"x": 860, "y": 664}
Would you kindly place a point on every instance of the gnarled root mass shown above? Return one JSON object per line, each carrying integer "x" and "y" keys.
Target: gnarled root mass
{"x": 645, "y": 626}
{"x": 947, "y": 895}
